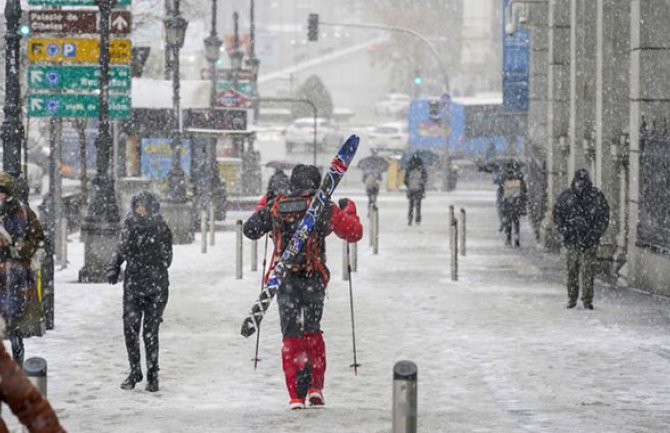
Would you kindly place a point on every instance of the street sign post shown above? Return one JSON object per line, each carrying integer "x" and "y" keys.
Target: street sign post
{"x": 119, "y": 3}
{"x": 76, "y": 50}
{"x": 76, "y": 78}
{"x": 72, "y": 105}
{"x": 77, "y": 22}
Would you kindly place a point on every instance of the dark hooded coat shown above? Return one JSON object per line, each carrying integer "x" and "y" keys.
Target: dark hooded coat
{"x": 581, "y": 217}
{"x": 20, "y": 304}
{"x": 146, "y": 247}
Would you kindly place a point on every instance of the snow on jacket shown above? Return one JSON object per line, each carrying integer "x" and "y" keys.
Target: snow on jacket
{"x": 581, "y": 217}
{"x": 146, "y": 247}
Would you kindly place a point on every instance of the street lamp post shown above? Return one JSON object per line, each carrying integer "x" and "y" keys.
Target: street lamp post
{"x": 212, "y": 53}
{"x": 177, "y": 211}
{"x": 212, "y": 50}
{"x": 253, "y": 62}
{"x": 100, "y": 226}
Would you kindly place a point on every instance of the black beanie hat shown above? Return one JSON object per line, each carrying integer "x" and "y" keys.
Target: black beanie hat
{"x": 305, "y": 178}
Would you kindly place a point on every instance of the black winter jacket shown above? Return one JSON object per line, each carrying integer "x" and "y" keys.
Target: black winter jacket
{"x": 146, "y": 247}
{"x": 581, "y": 218}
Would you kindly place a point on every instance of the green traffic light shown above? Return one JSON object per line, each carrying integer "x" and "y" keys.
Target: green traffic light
{"x": 24, "y": 29}
{"x": 417, "y": 81}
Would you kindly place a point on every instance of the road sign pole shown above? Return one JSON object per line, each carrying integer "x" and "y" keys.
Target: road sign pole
{"x": 100, "y": 226}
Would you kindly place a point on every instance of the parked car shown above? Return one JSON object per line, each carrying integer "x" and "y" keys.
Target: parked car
{"x": 394, "y": 104}
{"x": 301, "y": 134}
{"x": 388, "y": 136}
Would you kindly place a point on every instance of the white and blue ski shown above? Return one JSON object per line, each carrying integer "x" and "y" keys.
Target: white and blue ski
{"x": 338, "y": 167}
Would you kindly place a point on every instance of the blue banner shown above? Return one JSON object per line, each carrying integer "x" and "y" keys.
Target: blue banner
{"x": 516, "y": 66}
{"x": 157, "y": 157}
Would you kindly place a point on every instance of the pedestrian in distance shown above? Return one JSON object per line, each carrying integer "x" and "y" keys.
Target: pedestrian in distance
{"x": 512, "y": 191}
{"x": 416, "y": 178}
{"x": 581, "y": 215}
{"x": 301, "y": 295}
{"x": 371, "y": 180}
{"x": 25, "y": 401}
{"x": 145, "y": 246}
{"x": 21, "y": 240}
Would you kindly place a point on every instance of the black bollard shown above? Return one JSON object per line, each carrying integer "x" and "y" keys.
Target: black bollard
{"x": 36, "y": 370}
{"x": 404, "y": 397}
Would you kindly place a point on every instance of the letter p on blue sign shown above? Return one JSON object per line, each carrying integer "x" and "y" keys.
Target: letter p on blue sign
{"x": 69, "y": 50}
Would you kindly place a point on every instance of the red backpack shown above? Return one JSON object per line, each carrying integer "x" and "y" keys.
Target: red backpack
{"x": 286, "y": 213}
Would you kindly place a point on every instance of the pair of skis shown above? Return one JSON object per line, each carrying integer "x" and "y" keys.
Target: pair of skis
{"x": 338, "y": 167}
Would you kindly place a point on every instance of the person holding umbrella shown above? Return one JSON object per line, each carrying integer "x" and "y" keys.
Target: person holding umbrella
{"x": 372, "y": 167}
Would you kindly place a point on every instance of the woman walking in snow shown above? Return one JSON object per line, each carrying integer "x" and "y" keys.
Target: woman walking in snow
{"x": 146, "y": 247}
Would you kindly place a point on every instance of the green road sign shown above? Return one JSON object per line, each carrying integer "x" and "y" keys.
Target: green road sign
{"x": 71, "y": 105}
{"x": 76, "y": 78}
{"x": 119, "y": 3}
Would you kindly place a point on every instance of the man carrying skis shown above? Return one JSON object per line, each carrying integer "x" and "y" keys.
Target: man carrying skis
{"x": 301, "y": 294}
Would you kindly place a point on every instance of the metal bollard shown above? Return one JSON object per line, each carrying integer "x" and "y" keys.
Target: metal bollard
{"x": 254, "y": 256}
{"x": 462, "y": 232}
{"x": 354, "y": 257}
{"x": 238, "y": 262}
{"x": 36, "y": 370}
{"x": 212, "y": 225}
{"x": 203, "y": 231}
{"x": 405, "y": 397}
{"x": 375, "y": 225}
{"x": 451, "y": 213}
{"x": 454, "y": 250}
{"x": 345, "y": 262}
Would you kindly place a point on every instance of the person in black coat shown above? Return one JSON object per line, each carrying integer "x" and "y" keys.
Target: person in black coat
{"x": 416, "y": 178}
{"x": 581, "y": 215}
{"x": 513, "y": 199}
{"x": 146, "y": 247}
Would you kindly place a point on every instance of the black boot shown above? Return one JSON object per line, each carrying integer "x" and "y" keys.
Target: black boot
{"x": 134, "y": 377}
{"x": 152, "y": 381}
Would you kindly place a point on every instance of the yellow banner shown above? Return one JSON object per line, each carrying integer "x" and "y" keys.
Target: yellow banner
{"x": 76, "y": 50}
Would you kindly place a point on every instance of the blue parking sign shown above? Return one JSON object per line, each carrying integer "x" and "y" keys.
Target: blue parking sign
{"x": 69, "y": 49}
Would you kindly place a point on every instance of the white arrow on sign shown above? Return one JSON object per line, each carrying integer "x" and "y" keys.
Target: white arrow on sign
{"x": 36, "y": 104}
{"x": 36, "y": 76}
{"x": 119, "y": 23}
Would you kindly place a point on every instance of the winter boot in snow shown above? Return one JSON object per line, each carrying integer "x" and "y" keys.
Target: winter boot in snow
{"x": 134, "y": 377}
{"x": 315, "y": 398}
{"x": 152, "y": 381}
{"x": 293, "y": 361}
{"x": 297, "y": 403}
{"x": 571, "y": 304}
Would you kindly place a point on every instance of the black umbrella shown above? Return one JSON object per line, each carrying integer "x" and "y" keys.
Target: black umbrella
{"x": 373, "y": 163}
{"x": 428, "y": 157}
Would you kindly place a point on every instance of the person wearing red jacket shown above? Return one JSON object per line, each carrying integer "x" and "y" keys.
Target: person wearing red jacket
{"x": 301, "y": 295}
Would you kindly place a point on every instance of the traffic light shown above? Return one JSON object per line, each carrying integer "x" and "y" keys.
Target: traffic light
{"x": 313, "y": 27}
{"x": 417, "y": 80}
{"x": 24, "y": 26}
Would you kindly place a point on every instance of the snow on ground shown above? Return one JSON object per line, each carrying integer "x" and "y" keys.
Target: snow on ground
{"x": 496, "y": 351}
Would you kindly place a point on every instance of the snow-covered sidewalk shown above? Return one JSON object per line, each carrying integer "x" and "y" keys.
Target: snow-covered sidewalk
{"x": 496, "y": 351}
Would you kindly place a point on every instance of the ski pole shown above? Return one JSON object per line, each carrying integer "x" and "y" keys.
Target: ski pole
{"x": 258, "y": 334}
{"x": 351, "y": 306}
